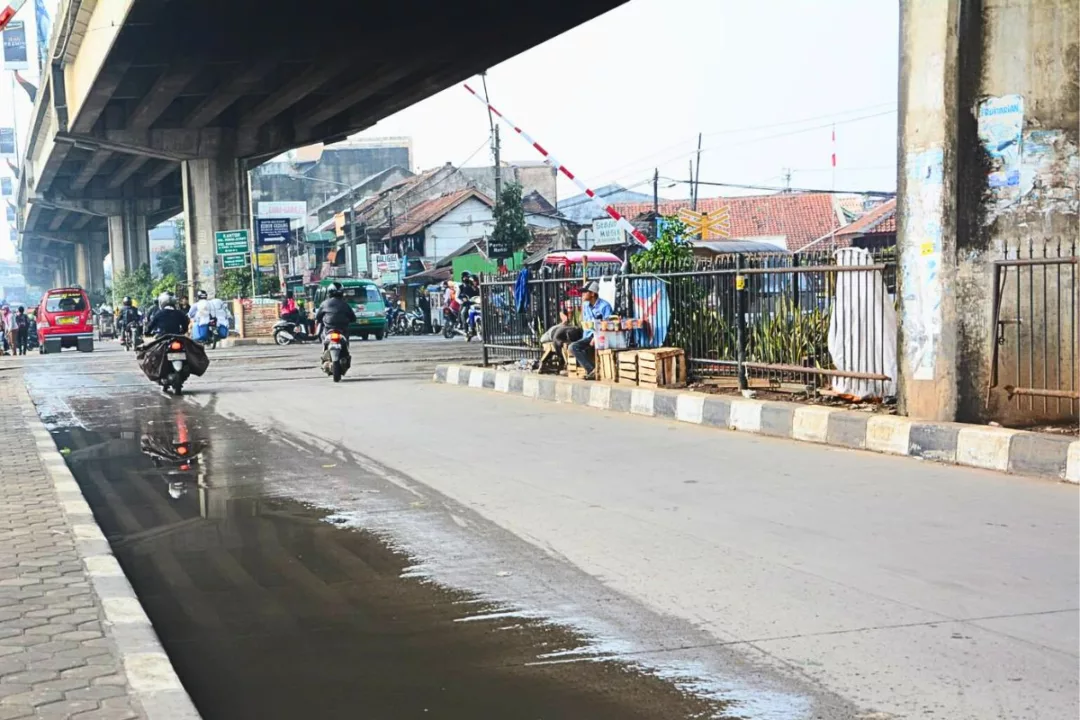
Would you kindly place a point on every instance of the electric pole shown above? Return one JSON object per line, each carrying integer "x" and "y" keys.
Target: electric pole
{"x": 787, "y": 180}
{"x": 498, "y": 167}
{"x": 697, "y": 176}
{"x": 656, "y": 191}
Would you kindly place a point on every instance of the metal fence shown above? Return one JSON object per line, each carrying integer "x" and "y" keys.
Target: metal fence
{"x": 750, "y": 320}
{"x": 1034, "y": 325}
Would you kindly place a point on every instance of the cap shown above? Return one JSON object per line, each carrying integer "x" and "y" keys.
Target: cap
{"x": 593, "y": 287}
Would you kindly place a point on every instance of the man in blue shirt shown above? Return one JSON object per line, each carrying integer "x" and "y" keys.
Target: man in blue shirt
{"x": 593, "y": 309}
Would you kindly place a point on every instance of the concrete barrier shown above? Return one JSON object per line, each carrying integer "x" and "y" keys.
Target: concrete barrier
{"x": 991, "y": 448}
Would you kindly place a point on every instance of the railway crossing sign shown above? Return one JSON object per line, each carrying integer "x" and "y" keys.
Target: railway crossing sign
{"x": 708, "y": 226}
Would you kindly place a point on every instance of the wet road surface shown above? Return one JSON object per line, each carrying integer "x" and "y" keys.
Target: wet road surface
{"x": 270, "y": 607}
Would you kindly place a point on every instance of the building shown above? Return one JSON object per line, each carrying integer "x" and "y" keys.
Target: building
{"x": 534, "y": 177}
{"x": 163, "y": 238}
{"x": 582, "y": 210}
{"x": 875, "y": 230}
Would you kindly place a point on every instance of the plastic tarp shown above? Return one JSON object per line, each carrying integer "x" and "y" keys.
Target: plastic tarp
{"x": 862, "y": 329}
{"x": 152, "y": 357}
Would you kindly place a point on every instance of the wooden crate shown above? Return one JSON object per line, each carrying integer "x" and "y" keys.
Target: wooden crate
{"x": 628, "y": 367}
{"x": 572, "y": 368}
{"x": 607, "y": 365}
{"x": 662, "y": 368}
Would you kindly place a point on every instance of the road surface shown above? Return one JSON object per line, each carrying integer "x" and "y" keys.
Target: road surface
{"x": 728, "y": 574}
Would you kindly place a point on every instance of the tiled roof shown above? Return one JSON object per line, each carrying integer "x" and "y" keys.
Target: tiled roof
{"x": 799, "y": 217}
{"x": 427, "y": 212}
{"x": 880, "y": 220}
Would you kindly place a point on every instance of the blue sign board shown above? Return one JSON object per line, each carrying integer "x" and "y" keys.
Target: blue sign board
{"x": 273, "y": 231}
{"x": 5, "y": 186}
{"x": 15, "y": 46}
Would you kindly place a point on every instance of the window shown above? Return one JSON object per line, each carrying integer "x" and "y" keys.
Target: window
{"x": 67, "y": 302}
{"x": 364, "y": 294}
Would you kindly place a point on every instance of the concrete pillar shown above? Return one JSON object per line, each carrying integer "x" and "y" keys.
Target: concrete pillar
{"x": 970, "y": 195}
{"x": 129, "y": 240}
{"x": 98, "y": 247}
{"x": 82, "y": 265}
{"x": 215, "y": 199}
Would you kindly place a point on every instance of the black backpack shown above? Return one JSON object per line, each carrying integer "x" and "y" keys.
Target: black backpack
{"x": 22, "y": 322}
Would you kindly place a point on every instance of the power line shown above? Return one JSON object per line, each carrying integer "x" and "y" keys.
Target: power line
{"x": 768, "y": 188}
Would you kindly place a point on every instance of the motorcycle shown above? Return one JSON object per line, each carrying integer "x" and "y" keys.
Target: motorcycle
{"x": 287, "y": 332}
{"x": 412, "y": 322}
{"x": 131, "y": 337}
{"x": 452, "y": 325}
{"x": 394, "y": 326}
{"x": 336, "y": 359}
{"x": 171, "y": 359}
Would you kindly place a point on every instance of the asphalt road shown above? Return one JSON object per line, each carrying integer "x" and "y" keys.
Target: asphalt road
{"x": 789, "y": 579}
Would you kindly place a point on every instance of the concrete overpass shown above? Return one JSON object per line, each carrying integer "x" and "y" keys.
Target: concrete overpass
{"x": 153, "y": 107}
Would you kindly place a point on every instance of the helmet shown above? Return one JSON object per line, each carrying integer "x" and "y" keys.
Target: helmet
{"x": 166, "y": 299}
{"x": 465, "y": 276}
{"x": 336, "y": 289}
{"x": 127, "y": 300}
{"x": 201, "y": 295}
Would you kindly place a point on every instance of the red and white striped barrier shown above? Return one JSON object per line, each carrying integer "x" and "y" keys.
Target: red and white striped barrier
{"x": 623, "y": 223}
{"x": 8, "y": 10}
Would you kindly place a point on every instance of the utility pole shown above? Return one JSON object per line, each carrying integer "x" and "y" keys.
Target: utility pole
{"x": 498, "y": 167}
{"x": 697, "y": 176}
{"x": 787, "y": 180}
{"x": 693, "y": 200}
{"x": 656, "y": 191}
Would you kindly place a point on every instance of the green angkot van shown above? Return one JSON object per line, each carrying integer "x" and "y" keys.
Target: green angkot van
{"x": 366, "y": 301}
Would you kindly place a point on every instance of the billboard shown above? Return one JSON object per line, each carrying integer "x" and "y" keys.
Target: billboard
{"x": 292, "y": 209}
{"x": 15, "y": 57}
{"x": 7, "y": 142}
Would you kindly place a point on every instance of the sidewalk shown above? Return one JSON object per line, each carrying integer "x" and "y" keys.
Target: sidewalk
{"x": 74, "y": 640}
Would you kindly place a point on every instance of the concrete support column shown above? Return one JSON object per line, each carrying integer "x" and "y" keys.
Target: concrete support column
{"x": 988, "y": 167}
{"x": 129, "y": 240}
{"x": 98, "y": 249}
{"x": 82, "y": 265}
{"x": 215, "y": 199}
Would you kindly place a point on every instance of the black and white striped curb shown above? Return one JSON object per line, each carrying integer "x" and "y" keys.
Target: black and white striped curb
{"x": 150, "y": 673}
{"x": 992, "y": 448}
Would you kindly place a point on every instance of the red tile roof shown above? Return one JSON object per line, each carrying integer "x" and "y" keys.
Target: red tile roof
{"x": 800, "y": 217}
{"x": 427, "y": 212}
{"x": 881, "y": 220}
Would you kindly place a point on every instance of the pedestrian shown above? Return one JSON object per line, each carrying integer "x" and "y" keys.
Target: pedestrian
{"x": 11, "y": 329}
{"x": 424, "y": 302}
{"x": 593, "y": 310}
{"x": 22, "y": 330}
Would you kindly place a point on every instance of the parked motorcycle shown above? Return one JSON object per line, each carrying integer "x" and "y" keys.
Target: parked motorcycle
{"x": 336, "y": 359}
{"x": 409, "y": 323}
{"x": 287, "y": 332}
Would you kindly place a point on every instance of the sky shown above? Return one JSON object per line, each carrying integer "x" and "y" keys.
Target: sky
{"x": 764, "y": 81}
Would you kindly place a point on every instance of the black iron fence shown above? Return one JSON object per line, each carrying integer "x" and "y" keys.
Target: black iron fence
{"x": 1034, "y": 325}
{"x": 751, "y": 320}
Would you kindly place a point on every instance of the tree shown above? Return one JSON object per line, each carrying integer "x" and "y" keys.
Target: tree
{"x": 236, "y": 283}
{"x": 668, "y": 253}
{"x": 136, "y": 284}
{"x": 510, "y": 229}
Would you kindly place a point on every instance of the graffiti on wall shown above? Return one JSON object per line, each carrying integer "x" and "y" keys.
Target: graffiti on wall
{"x": 920, "y": 260}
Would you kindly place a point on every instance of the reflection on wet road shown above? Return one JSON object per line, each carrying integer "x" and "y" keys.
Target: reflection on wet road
{"x": 270, "y": 610}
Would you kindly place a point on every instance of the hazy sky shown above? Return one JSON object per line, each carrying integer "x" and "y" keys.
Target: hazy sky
{"x": 612, "y": 99}
{"x": 630, "y": 90}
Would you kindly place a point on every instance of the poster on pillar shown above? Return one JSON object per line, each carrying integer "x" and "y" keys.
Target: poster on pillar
{"x": 920, "y": 260}
{"x": 1001, "y": 126}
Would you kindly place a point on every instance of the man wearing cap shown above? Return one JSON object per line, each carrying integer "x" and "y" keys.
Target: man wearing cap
{"x": 593, "y": 309}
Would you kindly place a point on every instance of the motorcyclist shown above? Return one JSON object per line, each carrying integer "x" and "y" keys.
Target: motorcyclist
{"x": 467, "y": 294}
{"x": 149, "y": 316}
{"x": 334, "y": 313}
{"x": 128, "y": 314}
{"x": 202, "y": 313}
{"x": 168, "y": 320}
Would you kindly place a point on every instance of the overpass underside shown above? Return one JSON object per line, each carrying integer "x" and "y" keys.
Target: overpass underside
{"x": 156, "y": 107}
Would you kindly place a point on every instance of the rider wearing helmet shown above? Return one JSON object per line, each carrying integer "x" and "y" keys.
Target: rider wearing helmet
{"x": 202, "y": 314}
{"x": 128, "y": 314}
{"x": 335, "y": 313}
{"x": 168, "y": 320}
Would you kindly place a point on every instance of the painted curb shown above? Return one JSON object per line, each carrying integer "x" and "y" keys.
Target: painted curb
{"x": 152, "y": 679}
{"x": 990, "y": 448}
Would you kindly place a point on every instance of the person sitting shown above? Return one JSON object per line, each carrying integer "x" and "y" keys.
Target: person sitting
{"x": 593, "y": 310}
{"x": 203, "y": 316}
{"x": 290, "y": 311}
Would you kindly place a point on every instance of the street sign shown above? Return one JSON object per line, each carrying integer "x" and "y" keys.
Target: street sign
{"x": 292, "y": 209}
{"x": 231, "y": 242}
{"x": 267, "y": 262}
{"x": 273, "y": 231}
{"x": 497, "y": 249}
{"x": 710, "y": 226}
{"x": 607, "y": 233}
{"x": 232, "y": 262}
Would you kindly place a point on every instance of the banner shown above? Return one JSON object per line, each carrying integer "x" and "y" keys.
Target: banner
{"x": 7, "y": 142}
{"x": 44, "y": 27}
{"x": 15, "y": 57}
{"x": 6, "y": 187}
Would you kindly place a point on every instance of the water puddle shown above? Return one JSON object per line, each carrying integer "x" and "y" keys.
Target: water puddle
{"x": 269, "y": 609}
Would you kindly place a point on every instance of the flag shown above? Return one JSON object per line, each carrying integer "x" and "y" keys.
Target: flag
{"x": 8, "y": 8}
{"x": 14, "y": 168}
{"x": 29, "y": 87}
{"x": 44, "y": 27}
{"x": 834, "y": 146}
